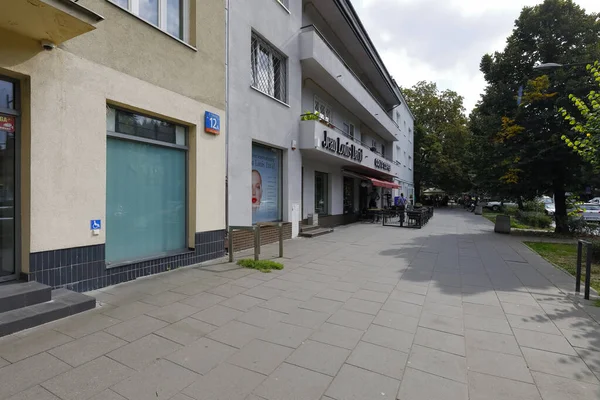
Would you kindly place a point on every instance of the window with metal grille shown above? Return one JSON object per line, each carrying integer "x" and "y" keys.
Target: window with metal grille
{"x": 323, "y": 109}
{"x": 269, "y": 69}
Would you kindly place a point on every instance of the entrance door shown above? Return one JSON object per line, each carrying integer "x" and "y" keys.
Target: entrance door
{"x": 8, "y": 181}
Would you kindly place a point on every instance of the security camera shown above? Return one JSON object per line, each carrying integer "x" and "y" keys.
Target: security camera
{"x": 47, "y": 45}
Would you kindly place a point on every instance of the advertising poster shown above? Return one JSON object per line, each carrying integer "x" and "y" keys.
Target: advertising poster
{"x": 266, "y": 183}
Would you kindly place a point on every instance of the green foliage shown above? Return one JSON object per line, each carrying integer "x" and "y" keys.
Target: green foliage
{"x": 260, "y": 265}
{"x": 535, "y": 219}
{"x": 585, "y": 139}
{"x": 309, "y": 116}
{"x": 511, "y": 210}
{"x": 534, "y": 206}
{"x": 441, "y": 138}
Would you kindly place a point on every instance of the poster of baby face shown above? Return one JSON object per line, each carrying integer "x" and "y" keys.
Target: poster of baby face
{"x": 265, "y": 184}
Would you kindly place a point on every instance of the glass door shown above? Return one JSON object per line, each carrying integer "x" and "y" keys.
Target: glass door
{"x": 8, "y": 184}
{"x": 321, "y": 195}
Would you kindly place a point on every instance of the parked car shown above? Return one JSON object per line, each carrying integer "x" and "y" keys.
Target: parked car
{"x": 549, "y": 208}
{"x": 497, "y": 205}
{"x": 595, "y": 200}
{"x": 589, "y": 212}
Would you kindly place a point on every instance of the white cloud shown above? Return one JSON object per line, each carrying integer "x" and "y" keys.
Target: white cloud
{"x": 442, "y": 40}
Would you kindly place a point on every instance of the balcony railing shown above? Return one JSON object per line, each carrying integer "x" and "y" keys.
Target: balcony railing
{"x": 316, "y": 30}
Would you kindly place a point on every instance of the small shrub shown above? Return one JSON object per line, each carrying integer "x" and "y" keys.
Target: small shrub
{"x": 260, "y": 265}
{"x": 533, "y": 206}
{"x": 579, "y": 226}
{"x": 511, "y": 210}
{"x": 535, "y": 219}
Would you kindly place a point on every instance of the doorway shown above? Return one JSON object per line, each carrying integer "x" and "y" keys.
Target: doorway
{"x": 9, "y": 187}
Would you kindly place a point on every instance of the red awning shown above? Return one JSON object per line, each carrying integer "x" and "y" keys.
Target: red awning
{"x": 384, "y": 184}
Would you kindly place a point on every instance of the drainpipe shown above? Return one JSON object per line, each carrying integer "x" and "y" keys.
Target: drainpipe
{"x": 227, "y": 5}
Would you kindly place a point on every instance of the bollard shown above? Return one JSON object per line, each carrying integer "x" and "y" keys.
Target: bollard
{"x": 578, "y": 270}
{"x": 230, "y": 249}
{"x": 256, "y": 230}
{"x": 280, "y": 226}
{"x": 588, "y": 268}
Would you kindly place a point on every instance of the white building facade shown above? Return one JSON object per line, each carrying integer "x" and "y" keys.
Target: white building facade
{"x": 316, "y": 124}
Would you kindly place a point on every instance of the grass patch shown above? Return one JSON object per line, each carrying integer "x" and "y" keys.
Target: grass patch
{"x": 564, "y": 255}
{"x": 514, "y": 223}
{"x": 260, "y": 265}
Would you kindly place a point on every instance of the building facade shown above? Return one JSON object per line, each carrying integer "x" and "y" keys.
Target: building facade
{"x": 112, "y": 144}
{"x": 317, "y": 126}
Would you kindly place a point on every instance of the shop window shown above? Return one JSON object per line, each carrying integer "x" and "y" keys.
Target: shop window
{"x": 146, "y": 186}
{"x": 321, "y": 193}
{"x": 269, "y": 69}
{"x": 323, "y": 109}
{"x": 167, "y": 15}
{"x": 266, "y": 184}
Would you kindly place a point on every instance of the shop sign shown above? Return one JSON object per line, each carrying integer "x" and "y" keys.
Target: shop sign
{"x": 343, "y": 149}
{"x": 7, "y": 124}
{"x": 212, "y": 123}
{"x": 382, "y": 165}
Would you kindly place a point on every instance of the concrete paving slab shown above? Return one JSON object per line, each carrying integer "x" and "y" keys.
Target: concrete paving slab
{"x": 87, "y": 348}
{"x": 338, "y": 335}
{"x": 260, "y": 356}
{"x": 319, "y": 357}
{"x": 353, "y": 383}
{"x": 438, "y": 363}
{"x": 419, "y": 385}
{"x": 287, "y": 379}
{"x": 226, "y": 382}
{"x": 379, "y": 359}
{"x": 448, "y": 342}
{"x": 202, "y": 355}
{"x": 29, "y": 372}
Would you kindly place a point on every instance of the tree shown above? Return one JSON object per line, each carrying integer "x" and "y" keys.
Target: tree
{"x": 441, "y": 137}
{"x": 521, "y": 144}
{"x": 586, "y": 128}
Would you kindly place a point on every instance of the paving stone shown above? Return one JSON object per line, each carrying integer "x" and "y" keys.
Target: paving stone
{"x": 164, "y": 298}
{"x": 538, "y": 324}
{"x": 32, "y": 343}
{"x": 482, "y": 310}
{"x": 242, "y": 302}
{"x": 354, "y": 383}
{"x": 289, "y": 379}
{"x": 29, "y": 372}
{"x": 217, "y": 315}
{"x": 203, "y": 300}
{"x": 136, "y": 328}
{"x": 362, "y": 306}
{"x": 345, "y": 286}
{"x": 301, "y": 294}
{"x": 439, "y": 363}
{"x": 192, "y": 288}
{"x": 173, "y": 312}
{"x": 260, "y": 356}
{"x": 409, "y": 287}
{"x": 371, "y": 295}
{"x": 181, "y": 396}
{"x": 438, "y": 340}
{"x": 110, "y": 395}
{"x": 554, "y": 387}
{"x": 400, "y": 307}
{"x": 263, "y": 292}
{"x": 319, "y": 357}
{"x": 387, "y": 337}
{"x": 130, "y": 311}
{"x": 286, "y": 334}
{"x": 227, "y": 290}
{"x": 591, "y": 359}
{"x": 87, "y": 348}
{"x": 88, "y": 379}
{"x": 338, "y": 335}
{"x": 160, "y": 381}
{"x": 322, "y": 305}
{"x": 226, "y": 382}
{"x": 487, "y": 387}
{"x": 78, "y": 326}
{"x": 261, "y": 317}
{"x": 584, "y": 340}
{"x": 202, "y": 355}
{"x": 236, "y": 334}
{"x": 3, "y": 363}
{"x": 498, "y": 364}
{"x": 491, "y": 341}
{"x": 306, "y": 318}
{"x": 495, "y": 325}
{"x": 248, "y": 282}
{"x": 440, "y": 323}
{"x": 559, "y": 364}
{"x": 34, "y": 393}
{"x": 334, "y": 294}
{"x": 144, "y": 351}
{"x": 186, "y": 331}
{"x": 396, "y": 321}
{"x": 379, "y": 359}
{"x": 419, "y": 385}
{"x": 443, "y": 310}
{"x": 281, "y": 304}
{"x": 543, "y": 341}
{"x": 407, "y": 297}
{"x": 523, "y": 310}
{"x": 379, "y": 287}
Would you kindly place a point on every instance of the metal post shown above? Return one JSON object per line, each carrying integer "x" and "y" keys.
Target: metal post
{"x": 230, "y": 244}
{"x": 578, "y": 270}
{"x": 256, "y": 242}
{"x": 588, "y": 270}
{"x": 280, "y": 225}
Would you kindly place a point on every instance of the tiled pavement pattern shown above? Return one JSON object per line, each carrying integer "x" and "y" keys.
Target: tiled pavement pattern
{"x": 448, "y": 312}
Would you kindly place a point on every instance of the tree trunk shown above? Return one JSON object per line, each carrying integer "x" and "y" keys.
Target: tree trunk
{"x": 417, "y": 191}
{"x": 520, "y": 202}
{"x": 560, "y": 205}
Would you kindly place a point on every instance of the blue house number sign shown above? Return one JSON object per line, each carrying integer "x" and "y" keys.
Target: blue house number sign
{"x": 212, "y": 123}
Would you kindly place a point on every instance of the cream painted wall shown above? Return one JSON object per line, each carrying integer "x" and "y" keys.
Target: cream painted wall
{"x": 68, "y": 96}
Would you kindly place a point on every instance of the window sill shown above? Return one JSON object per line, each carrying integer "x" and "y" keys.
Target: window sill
{"x": 269, "y": 96}
{"x": 189, "y": 46}
{"x": 284, "y": 7}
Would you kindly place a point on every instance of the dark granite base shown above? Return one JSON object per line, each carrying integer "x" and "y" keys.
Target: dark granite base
{"x": 83, "y": 268}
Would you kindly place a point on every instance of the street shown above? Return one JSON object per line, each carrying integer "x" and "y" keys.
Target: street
{"x": 451, "y": 311}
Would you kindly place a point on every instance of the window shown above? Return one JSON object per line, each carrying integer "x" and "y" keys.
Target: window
{"x": 266, "y": 184}
{"x": 373, "y": 143}
{"x": 321, "y": 194}
{"x": 269, "y": 70}
{"x": 405, "y": 158}
{"x": 383, "y": 150}
{"x": 167, "y": 15}
{"x": 348, "y": 130}
{"x": 351, "y": 131}
{"x": 409, "y": 134}
{"x": 146, "y": 186}
{"x": 323, "y": 109}
{"x": 410, "y": 163}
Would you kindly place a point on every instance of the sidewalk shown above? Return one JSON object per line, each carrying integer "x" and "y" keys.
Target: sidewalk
{"x": 448, "y": 312}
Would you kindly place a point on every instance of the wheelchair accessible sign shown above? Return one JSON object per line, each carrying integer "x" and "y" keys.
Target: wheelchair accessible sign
{"x": 95, "y": 224}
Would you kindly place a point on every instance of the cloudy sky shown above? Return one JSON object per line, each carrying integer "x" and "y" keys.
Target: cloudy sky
{"x": 442, "y": 40}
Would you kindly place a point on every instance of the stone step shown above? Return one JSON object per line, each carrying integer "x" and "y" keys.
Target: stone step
{"x": 63, "y": 303}
{"x": 308, "y": 228}
{"x": 316, "y": 232}
{"x": 22, "y": 294}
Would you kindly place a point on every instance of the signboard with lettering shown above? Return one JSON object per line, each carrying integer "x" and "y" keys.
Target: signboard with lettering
{"x": 380, "y": 164}
{"x": 7, "y": 123}
{"x": 342, "y": 149}
{"x": 212, "y": 123}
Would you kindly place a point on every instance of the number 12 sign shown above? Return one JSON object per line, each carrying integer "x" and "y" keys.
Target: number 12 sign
{"x": 212, "y": 123}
